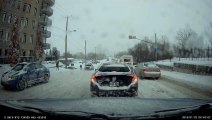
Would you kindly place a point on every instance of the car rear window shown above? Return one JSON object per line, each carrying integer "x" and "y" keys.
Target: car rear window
{"x": 114, "y": 69}
{"x": 150, "y": 65}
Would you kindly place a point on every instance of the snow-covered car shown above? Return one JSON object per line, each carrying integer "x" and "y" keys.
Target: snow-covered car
{"x": 114, "y": 80}
{"x": 148, "y": 70}
{"x": 89, "y": 67}
{"x": 25, "y": 74}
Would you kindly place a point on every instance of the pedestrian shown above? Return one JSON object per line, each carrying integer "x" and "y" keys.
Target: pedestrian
{"x": 57, "y": 65}
{"x": 80, "y": 66}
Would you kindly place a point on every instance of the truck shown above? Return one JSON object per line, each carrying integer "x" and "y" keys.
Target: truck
{"x": 127, "y": 59}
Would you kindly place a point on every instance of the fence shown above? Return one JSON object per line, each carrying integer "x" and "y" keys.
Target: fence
{"x": 188, "y": 68}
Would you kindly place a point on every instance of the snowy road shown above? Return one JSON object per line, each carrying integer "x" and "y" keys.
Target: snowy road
{"x": 75, "y": 84}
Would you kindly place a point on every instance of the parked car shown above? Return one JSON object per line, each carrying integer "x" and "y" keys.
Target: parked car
{"x": 114, "y": 80}
{"x": 148, "y": 70}
{"x": 89, "y": 67}
{"x": 25, "y": 74}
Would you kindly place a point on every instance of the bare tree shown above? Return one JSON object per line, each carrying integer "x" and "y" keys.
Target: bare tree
{"x": 182, "y": 37}
{"x": 208, "y": 33}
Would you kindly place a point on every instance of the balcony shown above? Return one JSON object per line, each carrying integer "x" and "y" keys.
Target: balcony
{"x": 46, "y": 46}
{"x": 44, "y": 20}
{"x": 50, "y": 2}
{"x": 46, "y": 34}
{"x": 46, "y": 10}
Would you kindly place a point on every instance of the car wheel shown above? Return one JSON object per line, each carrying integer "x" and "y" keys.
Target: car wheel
{"x": 46, "y": 78}
{"x": 21, "y": 85}
{"x": 157, "y": 78}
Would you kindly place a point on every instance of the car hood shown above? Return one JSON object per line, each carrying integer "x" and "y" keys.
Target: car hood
{"x": 13, "y": 73}
{"x": 110, "y": 106}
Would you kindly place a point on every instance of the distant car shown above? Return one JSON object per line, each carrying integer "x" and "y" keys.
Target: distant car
{"x": 112, "y": 79}
{"x": 148, "y": 70}
{"x": 89, "y": 67}
{"x": 25, "y": 74}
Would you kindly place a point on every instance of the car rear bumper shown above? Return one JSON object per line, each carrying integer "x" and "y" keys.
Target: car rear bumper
{"x": 130, "y": 90}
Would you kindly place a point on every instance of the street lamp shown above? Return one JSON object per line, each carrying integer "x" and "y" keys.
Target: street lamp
{"x": 66, "y": 46}
{"x": 134, "y": 37}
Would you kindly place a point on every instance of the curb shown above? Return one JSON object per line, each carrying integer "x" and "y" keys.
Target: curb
{"x": 190, "y": 85}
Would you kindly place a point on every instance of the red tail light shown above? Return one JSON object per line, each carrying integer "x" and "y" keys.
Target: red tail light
{"x": 145, "y": 70}
{"x": 93, "y": 78}
{"x": 158, "y": 70}
{"x": 134, "y": 78}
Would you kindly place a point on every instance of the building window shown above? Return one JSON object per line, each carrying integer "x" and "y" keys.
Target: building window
{"x": 22, "y": 22}
{"x": 10, "y": 19}
{"x": 23, "y": 38}
{"x": 26, "y": 22}
{"x": 28, "y": 8}
{"x": 19, "y": 5}
{"x": 35, "y": 11}
{"x": 14, "y": 2}
{"x": 24, "y": 7}
{"x": 0, "y": 52}
{"x": 33, "y": 24}
{"x": 5, "y": 52}
{"x": 4, "y": 16}
{"x": 31, "y": 39}
{"x": 31, "y": 53}
{"x": 7, "y": 36}
{"x": 1, "y": 34}
{"x": 24, "y": 53}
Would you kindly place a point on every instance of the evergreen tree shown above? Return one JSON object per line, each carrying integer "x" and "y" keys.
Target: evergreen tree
{"x": 39, "y": 46}
{"x": 14, "y": 47}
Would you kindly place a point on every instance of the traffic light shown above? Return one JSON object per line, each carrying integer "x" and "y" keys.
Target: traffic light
{"x": 132, "y": 37}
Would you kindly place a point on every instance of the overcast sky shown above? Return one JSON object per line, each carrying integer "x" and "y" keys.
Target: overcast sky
{"x": 106, "y": 24}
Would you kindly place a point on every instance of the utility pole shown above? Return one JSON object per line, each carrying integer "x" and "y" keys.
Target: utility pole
{"x": 156, "y": 55}
{"x": 66, "y": 43}
{"x": 95, "y": 54}
{"x": 85, "y": 52}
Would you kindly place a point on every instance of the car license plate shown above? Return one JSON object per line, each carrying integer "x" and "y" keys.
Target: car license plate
{"x": 114, "y": 84}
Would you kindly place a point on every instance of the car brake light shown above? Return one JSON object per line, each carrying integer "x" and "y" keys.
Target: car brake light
{"x": 134, "y": 78}
{"x": 93, "y": 79}
{"x": 158, "y": 70}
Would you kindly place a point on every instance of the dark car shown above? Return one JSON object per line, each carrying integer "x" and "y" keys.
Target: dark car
{"x": 148, "y": 70}
{"x": 25, "y": 74}
{"x": 112, "y": 79}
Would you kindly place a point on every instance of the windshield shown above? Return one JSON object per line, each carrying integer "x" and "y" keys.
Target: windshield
{"x": 102, "y": 49}
{"x": 18, "y": 67}
{"x": 114, "y": 69}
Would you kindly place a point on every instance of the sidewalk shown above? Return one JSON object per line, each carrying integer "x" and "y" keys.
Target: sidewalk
{"x": 197, "y": 82}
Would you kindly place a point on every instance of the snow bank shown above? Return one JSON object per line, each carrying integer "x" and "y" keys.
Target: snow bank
{"x": 200, "y": 82}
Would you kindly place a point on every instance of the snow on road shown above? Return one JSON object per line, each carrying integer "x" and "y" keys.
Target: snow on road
{"x": 67, "y": 83}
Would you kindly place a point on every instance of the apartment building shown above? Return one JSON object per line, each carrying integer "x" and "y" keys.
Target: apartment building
{"x": 33, "y": 15}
